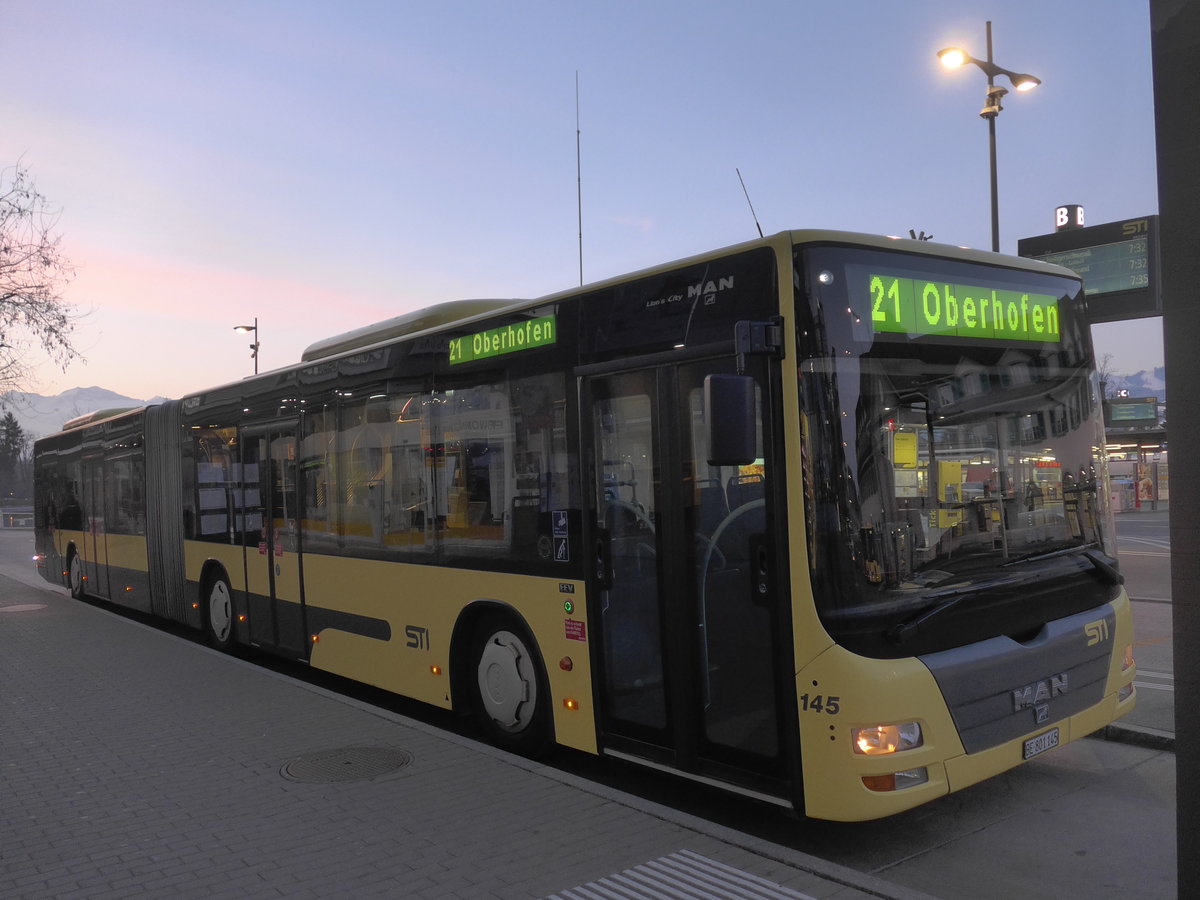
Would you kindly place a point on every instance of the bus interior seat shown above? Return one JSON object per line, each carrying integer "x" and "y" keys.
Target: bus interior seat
{"x": 711, "y": 506}
{"x": 743, "y": 489}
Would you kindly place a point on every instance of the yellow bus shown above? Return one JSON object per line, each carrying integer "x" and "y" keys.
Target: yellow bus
{"x": 820, "y": 518}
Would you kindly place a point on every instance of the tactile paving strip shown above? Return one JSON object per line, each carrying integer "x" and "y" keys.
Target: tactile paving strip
{"x": 684, "y": 875}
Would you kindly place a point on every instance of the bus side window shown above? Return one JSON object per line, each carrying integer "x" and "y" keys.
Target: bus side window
{"x": 502, "y": 466}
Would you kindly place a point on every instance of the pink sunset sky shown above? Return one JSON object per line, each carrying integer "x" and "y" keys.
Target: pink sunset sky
{"x": 323, "y": 166}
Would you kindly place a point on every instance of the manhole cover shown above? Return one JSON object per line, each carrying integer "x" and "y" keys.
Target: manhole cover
{"x": 346, "y": 764}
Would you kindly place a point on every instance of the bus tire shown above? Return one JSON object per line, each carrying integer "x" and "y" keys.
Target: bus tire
{"x": 509, "y": 691}
{"x": 75, "y": 579}
{"x": 216, "y": 612}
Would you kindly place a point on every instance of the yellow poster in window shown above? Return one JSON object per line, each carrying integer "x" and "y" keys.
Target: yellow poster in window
{"x": 904, "y": 450}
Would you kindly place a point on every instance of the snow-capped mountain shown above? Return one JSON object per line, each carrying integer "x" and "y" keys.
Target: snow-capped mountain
{"x": 1147, "y": 383}
{"x": 40, "y": 416}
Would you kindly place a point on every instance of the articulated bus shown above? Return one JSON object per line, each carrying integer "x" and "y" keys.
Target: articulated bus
{"x": 820, "y": 518}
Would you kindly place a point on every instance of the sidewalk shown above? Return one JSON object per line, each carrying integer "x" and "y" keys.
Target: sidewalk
{"x": 136, "y": 764}
{"x": 1146, "y": 563}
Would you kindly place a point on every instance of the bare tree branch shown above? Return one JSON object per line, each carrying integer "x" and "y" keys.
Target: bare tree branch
{"x": 34, "y": 272}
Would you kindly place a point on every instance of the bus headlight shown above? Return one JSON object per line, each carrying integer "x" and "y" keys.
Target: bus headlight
{"x": 878, "y": 740}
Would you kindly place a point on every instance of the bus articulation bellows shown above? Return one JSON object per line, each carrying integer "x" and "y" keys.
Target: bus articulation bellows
{"x": 821, "y": 518}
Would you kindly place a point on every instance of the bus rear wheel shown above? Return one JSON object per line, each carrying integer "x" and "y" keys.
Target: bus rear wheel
{"x": 511, "y": 697}
{"x": 217, "y": 612}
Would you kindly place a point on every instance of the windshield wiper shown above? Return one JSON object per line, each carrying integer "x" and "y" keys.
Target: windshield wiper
{"x": 1047, "y": 554}
{"x": 1090, "y": 551}
{"x": 1104, "y": 564}
{"x": 948, "y": 598}
{"x": 945, "y": 599}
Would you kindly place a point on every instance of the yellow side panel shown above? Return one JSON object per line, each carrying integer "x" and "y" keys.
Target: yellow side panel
{"x": 421, "y": 605}
{"x": 1119, "y": 677}
{"x": 868, "y": 692}
{"x": 197, "y": 553}
{"x": 127, "y": 551}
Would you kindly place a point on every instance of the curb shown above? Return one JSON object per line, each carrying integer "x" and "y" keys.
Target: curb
{"x": 1139, "y": 736}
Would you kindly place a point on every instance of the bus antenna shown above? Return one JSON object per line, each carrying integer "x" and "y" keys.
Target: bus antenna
{"x": 578, "y": 179}
{"x": 748, "y": 203}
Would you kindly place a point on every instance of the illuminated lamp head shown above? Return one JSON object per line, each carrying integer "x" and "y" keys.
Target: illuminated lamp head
{"x": 953, "y": 57}
{"x": 1024, "y": 83}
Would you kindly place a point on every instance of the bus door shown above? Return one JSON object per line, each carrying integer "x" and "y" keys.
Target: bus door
{"x": 95, "y": 549}
{"x": 271, "y": 509}
{"x": 684, "y": 570}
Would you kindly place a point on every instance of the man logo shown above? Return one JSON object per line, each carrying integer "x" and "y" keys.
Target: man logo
{"x": 1096, "y": 632}
{"x": 1032, "y": 696}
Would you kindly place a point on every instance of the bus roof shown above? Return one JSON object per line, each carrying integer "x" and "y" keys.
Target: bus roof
{"x": 929, "y": 248}
{"x": 99, "y": 415}
{"x": 437, "y": 316}
{"x": 409, "y": 323}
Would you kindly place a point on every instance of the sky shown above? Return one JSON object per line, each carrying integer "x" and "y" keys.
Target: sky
{"x": 325, "y": 165}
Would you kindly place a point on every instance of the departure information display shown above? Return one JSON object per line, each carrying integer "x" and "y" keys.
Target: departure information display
{"x": 1107, "y": 268}
{"x": 1118, "y": 262}
{"x": 1133, "y": 411}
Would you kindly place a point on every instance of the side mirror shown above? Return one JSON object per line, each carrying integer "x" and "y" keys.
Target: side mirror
{"x": 729, "y": 419}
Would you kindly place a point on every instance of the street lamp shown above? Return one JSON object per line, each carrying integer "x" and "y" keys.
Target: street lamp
{"x": 245, "y": 329}
{"x": 952, "y": 58}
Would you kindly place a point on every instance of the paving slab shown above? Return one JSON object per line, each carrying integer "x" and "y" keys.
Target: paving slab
{"x": 135, "y": 763}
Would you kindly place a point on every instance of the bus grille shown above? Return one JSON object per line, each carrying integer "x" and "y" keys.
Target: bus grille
{"x": 1001, "y": 689}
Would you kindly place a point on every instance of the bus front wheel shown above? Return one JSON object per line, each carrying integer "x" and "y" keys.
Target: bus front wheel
{"x": 217, "y": 613}
{"x": 75, "y": 576}
{"x": 510, "y": 692}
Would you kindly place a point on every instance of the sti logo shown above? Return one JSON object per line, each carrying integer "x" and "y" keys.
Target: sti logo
{"x": 1097, "y": 632}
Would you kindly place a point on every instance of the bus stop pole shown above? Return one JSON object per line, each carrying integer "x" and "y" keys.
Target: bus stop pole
{"x": 1175, "y": 49}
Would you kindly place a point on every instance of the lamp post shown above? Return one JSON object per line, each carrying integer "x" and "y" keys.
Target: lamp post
{"x": 952, "y": 58}
{"x": 245, "y": 329}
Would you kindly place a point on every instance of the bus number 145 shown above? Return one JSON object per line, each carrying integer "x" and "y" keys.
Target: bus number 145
{"x": 820, "y": 703}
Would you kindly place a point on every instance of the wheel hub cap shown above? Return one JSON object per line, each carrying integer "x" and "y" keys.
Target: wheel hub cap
{"x": 504, "y": 684}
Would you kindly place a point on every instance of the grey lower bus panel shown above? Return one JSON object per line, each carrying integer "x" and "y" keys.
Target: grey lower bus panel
{"x": 1000, "y": 689}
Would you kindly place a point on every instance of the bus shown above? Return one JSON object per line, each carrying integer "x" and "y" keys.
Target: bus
{"x": 820, "y": 518}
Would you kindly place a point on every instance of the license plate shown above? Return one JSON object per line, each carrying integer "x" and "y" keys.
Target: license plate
{"x": 1040, "y": 744}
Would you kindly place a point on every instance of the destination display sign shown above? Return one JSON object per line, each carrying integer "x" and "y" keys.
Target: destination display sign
{"x": 507, "y": 339}
{"x": 917, "y": 307}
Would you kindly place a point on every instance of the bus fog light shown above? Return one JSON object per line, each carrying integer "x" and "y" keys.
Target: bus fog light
{"x": 1125, "y": 693}
{"x": 897, "y": 781}
{"x": 877, "y": 740}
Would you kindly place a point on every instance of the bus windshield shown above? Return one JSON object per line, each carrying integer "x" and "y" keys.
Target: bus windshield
{"x": 953, "y": 450}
